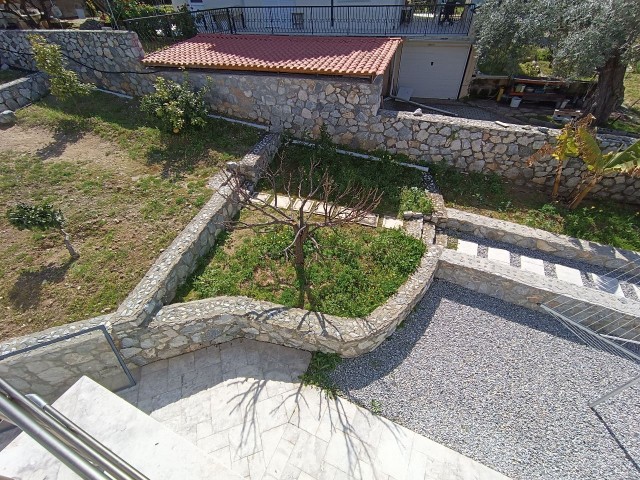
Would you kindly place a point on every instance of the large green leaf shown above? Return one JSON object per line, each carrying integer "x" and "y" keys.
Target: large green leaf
{"x": 626, "y": 161}
{"x": 589, "y": 150}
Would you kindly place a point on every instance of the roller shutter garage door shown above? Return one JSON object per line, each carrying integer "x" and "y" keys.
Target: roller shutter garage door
{"x": 433, "y": 71}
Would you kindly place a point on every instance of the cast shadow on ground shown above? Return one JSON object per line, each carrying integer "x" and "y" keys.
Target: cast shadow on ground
{"x": 25, "y": 293}
{"x": 65, "y": 135}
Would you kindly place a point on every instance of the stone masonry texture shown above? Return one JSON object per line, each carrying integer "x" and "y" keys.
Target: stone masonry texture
{"x": 23, "y": 91}
{"x": 348, "y": 108}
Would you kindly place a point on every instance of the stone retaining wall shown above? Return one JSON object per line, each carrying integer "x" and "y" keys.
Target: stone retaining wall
{"x": 180, "y": 259}
{"x": 483, "y": 146}
{"x": 536, "y": 239}
{"x": 531, "y": 291}
{"x": 186, "y": 327}
{"x": 23, "y": 91}
{"x": 50, "y": 369}
{"x": 349, "y": 108}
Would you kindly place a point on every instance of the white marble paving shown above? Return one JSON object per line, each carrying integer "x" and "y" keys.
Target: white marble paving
{"x": 468, "y": 248}
{"x": 499, "y": 255}
{"x": 242, "y": 403}
{"x": 607, "y": 284}
{"x": 533, "y": 265}
{"x": 568, "y": 274}
{"x": 390, "y": 222}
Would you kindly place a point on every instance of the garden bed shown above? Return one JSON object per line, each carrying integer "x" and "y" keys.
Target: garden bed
{"x": 393, "y": 180}
{"x": 358, "y": 268}
{"x": 126, "y": 189}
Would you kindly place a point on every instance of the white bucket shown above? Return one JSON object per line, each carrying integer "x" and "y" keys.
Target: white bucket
{"x": 515, "y": 102}
{"x": 80, "y": 13}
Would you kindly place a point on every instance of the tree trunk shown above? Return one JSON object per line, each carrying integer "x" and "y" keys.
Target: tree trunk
{"x": 577, "y": 200}
{"x": 556, "y": 183}
{"x": 609, "y": 92}
{"x": 67, "y": 243}
{"x": 298, "y": 261}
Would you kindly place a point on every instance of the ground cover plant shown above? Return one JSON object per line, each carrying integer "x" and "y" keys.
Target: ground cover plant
{"x": 7, "y": 76}
{"x": 387, "y": 176}
{"x": 126, "y": 189}
{"x": 597, "y": 220}
{"x": 357, "y": 270}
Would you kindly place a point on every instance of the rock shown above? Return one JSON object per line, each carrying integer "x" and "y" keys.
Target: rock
{"x": 8, "y": 117}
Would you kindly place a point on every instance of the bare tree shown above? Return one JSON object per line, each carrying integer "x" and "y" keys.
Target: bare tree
{"x": 335, "y": 207}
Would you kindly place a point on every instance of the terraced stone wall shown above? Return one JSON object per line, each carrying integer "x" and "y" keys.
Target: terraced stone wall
{"x": 483, "y": 146}
{"x": 23, "y": 91}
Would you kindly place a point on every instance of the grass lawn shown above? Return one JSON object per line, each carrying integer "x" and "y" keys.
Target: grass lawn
{"x": 7, "y": 76}
{"x": 599, "y": 221}
{"x": 126, "y": 189}
{"x": 358, "y": 270}
{"x": 395, "y": 181}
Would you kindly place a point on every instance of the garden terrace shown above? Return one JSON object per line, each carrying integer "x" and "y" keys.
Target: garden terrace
{"x": 356, "y": 270}
{"x": 126, "y": 189}
{"x": 387, "y": 176}
{"x": 606, "y": 222}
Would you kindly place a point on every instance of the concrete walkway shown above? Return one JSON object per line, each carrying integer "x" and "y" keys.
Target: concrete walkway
{"x": 242, "y": 403}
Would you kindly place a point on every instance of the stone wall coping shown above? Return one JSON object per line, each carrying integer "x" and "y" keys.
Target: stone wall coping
{"x": 20, "y": 80}
{"x": 43, "y": 336}
{"x": 187, "y": 326}
{"x": 537, "y": 239}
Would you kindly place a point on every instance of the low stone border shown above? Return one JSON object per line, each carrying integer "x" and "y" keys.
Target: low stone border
{"x": 23, "y": 91}
{"x": 186, "y": 327}
{"x": 180, "y": 259}
{"x": 536, "y": 239}
{"x": 531, "y": 290}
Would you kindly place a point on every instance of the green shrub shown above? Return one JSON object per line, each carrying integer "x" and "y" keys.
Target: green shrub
{"x": 35, "y": 217}
{"x": 64, "y": 83}
{"x": 319, "y": 370}
{"x": 415, "y": 199}
{"x": 177, "y": 105}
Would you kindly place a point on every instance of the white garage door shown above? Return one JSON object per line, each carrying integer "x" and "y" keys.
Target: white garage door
{"x": 433, "y": 71}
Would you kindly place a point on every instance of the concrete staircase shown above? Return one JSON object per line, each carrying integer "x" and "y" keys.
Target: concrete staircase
{"x": 152, "y": 448}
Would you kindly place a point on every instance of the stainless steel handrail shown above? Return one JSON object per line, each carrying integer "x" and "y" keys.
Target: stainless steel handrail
{"x": 69, "y": 439}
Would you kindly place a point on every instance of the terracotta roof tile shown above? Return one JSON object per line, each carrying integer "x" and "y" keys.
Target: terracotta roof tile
{"x": 346, "y": 56}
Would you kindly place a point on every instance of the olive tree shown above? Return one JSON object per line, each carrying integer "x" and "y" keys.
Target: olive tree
{"x": 585, "y": 37}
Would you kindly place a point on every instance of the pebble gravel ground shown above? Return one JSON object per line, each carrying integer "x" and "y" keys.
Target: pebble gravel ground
{"x": 504, "y": 385}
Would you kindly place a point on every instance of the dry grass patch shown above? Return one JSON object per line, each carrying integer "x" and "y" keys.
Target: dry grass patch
{"x": 126, "y": 189}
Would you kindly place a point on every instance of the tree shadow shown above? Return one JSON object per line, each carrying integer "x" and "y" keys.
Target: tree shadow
{"x": 65, "y": 134}
{"x": 25, "y": 293}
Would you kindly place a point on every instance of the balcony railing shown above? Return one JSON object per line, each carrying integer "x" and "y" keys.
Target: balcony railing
{"x": 378, "y": 20}
{"x": 416, "y": 20}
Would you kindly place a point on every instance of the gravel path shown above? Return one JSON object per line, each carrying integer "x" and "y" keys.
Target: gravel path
{"x": 504, "y": 385}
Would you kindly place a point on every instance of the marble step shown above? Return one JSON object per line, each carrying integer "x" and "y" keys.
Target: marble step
{"x": 146, "y": 444}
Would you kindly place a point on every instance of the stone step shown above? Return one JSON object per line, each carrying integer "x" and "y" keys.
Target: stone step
{"x": 468, "y": 248}
{"x": 499, "y": 255}
{"x": 566, "y": 274}
{"x": 152, "y": 448}
{"x": 528, "y": 289}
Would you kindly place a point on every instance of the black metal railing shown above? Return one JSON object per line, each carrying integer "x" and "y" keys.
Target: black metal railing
{"x": 419, "y": 19}
{"x": 161, "y": 30}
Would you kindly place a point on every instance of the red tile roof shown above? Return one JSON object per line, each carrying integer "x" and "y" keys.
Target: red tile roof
{"x": 345, "y": 56}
